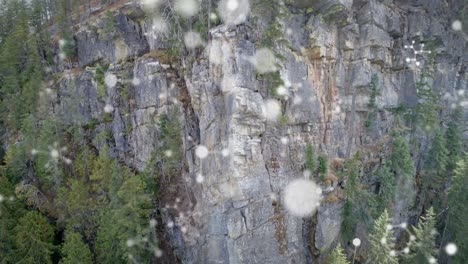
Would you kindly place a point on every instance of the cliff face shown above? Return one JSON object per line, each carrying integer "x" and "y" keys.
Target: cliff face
{"x": 234, "y": 212}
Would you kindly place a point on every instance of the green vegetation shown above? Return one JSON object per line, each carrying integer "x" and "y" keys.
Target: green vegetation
{"x": 337, "y": 256}
{"x": 75, "y": 251}
{"x": 359, "y": 203}
{"x": 382, "y": 241}
{"x": 424, "y": 247}
{"x": 457, "y": 231}
{"x": 310, "y": 163}
{"x": 99, "y": 77}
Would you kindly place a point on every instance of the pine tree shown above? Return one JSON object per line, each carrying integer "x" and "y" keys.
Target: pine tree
{"x": 11, "y": 209}
{"x": 458, "y": 211}
{"x": 401, "y": 162}
{"x": 337, "y": 256}
{"x": 454, "y": 138}
{"x": 436, "y": 164}
{"x": 382, "y": 242}
{"x": 310, "y": 159}
{"x": 424, "y": 246}
{"x": 33, "y": 239}
{"x": 387, "y": 188}
{"x": 322, "y": 166}
{"x": 74, "y": 250}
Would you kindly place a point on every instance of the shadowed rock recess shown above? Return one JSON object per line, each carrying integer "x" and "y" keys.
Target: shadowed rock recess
{"x": 328, "y": 53}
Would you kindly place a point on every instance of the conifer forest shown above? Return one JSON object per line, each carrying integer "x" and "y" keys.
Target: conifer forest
{"x": 234, "y": 131}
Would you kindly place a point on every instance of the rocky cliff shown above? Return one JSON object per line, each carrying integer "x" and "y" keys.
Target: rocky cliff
{"x": 228, "y": 207}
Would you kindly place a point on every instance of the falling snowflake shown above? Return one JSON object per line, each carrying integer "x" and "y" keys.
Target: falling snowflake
{"x": 264, "y": 60}
{"x": 416, "y": 54}
{"x": 186, "y": 8}
{"x": 108, "y": 108}
{"x": 234, "y": 12}
{"x": 193, "y": 40}
{"x": 201, "y": 152}
{"x": 451, "y": 249}
{"x": 302, "y": 197}
{"x": 356, "y": 242}
{"x": 55, "y": 154}
{"x": 110, "y": 80}
{"x": 457, "y": 25}
{"x": 200, "y": 178}
{"x": 272, "y": 110}
{"x": 148, "y": 242}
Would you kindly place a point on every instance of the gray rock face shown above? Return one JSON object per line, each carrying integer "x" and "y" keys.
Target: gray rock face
{"x": 239, "y": 215}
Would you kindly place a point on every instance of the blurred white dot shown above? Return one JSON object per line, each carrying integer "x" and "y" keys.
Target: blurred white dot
{"x": 34, "y": 151}
{"x": 136, "y": 81}
{"x": 457, "y": 25}
{"x": 264, "y": 60}
{"x": 301, "y": 197}
{"x": 54, "y": 153}
{"x": 158, "y": 252}
{"x": 170, "y": 224}
{"x": 356, "y": 242}
{"x": 225, "y": 152}
{"x": 110, "y": 80}
{"x": 168, "y": 153}
{"x": 153, "y": 222}
{"x": 201, "y": 152}
{"x": 1, "y": 198}
{"x": 408, "y": 59}
{"x": 186, "y": 8}
{"x": 383, "y": 241}
{"x": 200, "y": 178}
{"x": 451, "y": 249}
{"x": 392, "y": 253}
{"x": 130, "y": 243}
{"x": 232, "y": 5}
{"x": 404, "y": 225}
{"x": 418, "y": 63}
{"x": 108, "y": 108}
{"x": 432, "y": 260}
{"x": 406, "y": 250}
{"x": 282, "y": 91}
{"x": 297, "y": 100}
{"x": 284, "y": 140}
{"x": 213, "y": 16}
{"x": 272, "y": 110}
{"x": 192, "y": 40}
{"x": 389, "y": 227}
{"x": 183, "y": 229}
{"x": 234, "y": 12}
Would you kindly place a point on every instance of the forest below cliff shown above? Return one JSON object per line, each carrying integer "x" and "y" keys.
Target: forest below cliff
{"x": 233, "y": 131}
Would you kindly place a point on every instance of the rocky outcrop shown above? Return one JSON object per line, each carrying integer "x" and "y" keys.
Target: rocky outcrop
{"x": 333, "y": 52}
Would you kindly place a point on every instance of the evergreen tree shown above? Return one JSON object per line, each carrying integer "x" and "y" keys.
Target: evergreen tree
{"x": 435, "y": 175}
{"x": 458, "y": 211}
{"x": 75, "y": 207}
{"x": 427, "y": 109}
{"x": 386, "y": 188}
{"x": 310, "y": 159}
{"x": 33, "y": 239}
{"x": 436, "y": 163}
{"x": 74, "y": 250}
{"x": 382, "y": 242}
{"x": 401, "y": 162}
{"x": 322, "y": 166}
{"x": 11, "y": 209}
{"x": 337, "y": 256}
{"x": 359, "y": 202}
{"x": 454, "y": 138}
{"x": 424, "y": 246}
